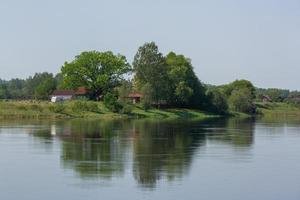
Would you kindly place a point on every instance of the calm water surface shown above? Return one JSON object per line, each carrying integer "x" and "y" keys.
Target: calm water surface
{"x": 143, "y": 159}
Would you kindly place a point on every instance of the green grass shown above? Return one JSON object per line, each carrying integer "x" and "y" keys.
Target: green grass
{"x": 76, "y": 109}
{"x": 283, "y": 109}
{"x": 171, "y": 113}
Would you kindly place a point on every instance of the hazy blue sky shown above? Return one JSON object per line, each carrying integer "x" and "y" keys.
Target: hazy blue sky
{"x": 257, "y": 40}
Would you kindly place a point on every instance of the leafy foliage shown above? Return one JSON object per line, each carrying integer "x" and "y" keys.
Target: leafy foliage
{"x": 150, "y": 68}
{"x": 111, "y": 102}
{"x": 57, "y": 108}
{"x": 170, "y": 78}
{"x": 184, "y": 88}
{"x": 99, "y": 72}
{"x": 39, "y": 86}
{"x": 84, "y": 106}
{"x": 218, "y": 102}
{"x": 241, "y": 100}
{"x": 45, "y": 88}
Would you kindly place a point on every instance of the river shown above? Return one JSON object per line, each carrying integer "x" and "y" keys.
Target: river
{"x": 150, "y": 159}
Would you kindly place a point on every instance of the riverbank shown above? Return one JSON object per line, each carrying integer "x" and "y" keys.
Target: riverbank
{"x": 88, "y": 109}
{"x": 81, "y": 109}
{"x": 278, "y": 109}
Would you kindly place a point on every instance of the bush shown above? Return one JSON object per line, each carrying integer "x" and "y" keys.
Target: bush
{"x": 242, "y": 101}
{"x": 111, "y": 102}
{"x": 127, "y": 109}
{"x": 93, "y": 107}
{"x": 218, "y": 102}
{"x": 146, "y": 105}
{"x": 57, "y": 108}
{"x": 79, "y": 106}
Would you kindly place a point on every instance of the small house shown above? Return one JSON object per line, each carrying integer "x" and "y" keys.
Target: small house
{"x": 81, "y": 92}
{"x": 135, "y": 97}
{"x": 266, "y": 98}
{"x": 62, "y": 95}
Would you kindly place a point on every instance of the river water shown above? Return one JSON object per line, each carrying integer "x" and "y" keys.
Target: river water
{"x": 148, "y": 159}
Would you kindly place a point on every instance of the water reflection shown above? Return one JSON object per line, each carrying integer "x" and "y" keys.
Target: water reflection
{"x": 94, "y": 149}
{"x": 152, "y": 150}
{"x": 238, "y": 132}
{"x": 163, "y": 149}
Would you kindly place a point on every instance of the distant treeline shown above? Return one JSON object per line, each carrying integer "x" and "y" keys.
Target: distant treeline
{"x": 38, "y": 86}
{"x": 163, "y": 80}
{"x": 279, "y": 95}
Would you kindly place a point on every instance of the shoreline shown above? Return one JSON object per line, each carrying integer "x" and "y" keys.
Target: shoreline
{"x": 46, "y": 110}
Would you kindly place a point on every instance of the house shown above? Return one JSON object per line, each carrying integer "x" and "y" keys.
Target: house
{"x": 62, "y": 95}
{"x": 266, "y": 98}
{"x": 81, "y": 92}
{"x": 135, "y": 97}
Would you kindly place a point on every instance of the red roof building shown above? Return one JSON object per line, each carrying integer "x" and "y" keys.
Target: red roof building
{"x": 136, "y": 97}
{"x": 61, "y": 95}
{"x": 81, "y": 91}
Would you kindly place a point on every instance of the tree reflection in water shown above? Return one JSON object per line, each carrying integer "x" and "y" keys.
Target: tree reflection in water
{"x": 156, "y": 150}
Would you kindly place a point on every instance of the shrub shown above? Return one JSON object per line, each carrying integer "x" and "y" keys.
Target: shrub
{"x": 146, "y": 105}
{"x": 93, "y": 107}
{"x": 242, "y": 101}
{"x": 111, "y": 102}
{"x": 218, "y": 102}
{"x": 57, "y": 108}
{"x": 127, "y": 109}
{"x": 79, "y": 106}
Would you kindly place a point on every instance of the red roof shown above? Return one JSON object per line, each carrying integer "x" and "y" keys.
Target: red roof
{"x": 63, "y": 93}
{"x": 135, "y": 95}
{"x": 81, "y": 91}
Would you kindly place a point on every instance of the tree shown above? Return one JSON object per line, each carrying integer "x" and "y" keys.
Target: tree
{"x": 15, "y": 88}
{"x": 33, "y": 82}
{"x": 183, "y": 92}
{"x": 237, "y": 85}
{"x": 150, "y": 68}
{"x": 218, "y": 102}
{"x": 44, "y": 89}
{"x": 241, "y": 100}
{"x": 147, "y": 91}
{"x": 98, "y": 72}
{"x": 184, "y": 88}
{"x": 3, "y": 91}
{"x": 59, "y": 80}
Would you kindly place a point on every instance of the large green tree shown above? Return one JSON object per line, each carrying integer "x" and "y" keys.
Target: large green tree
{"x": 150, "y": 68}
{"x": 99, "y": 72}
{"x": 238, "y": 85}
{"x": 184, "y": 87}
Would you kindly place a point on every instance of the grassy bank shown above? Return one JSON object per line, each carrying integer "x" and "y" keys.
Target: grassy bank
{"x": 278, "y": 109}
{"x": 80, "y": 109}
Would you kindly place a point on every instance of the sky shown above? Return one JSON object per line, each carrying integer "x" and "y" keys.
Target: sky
{"x": 258, "y": 40}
